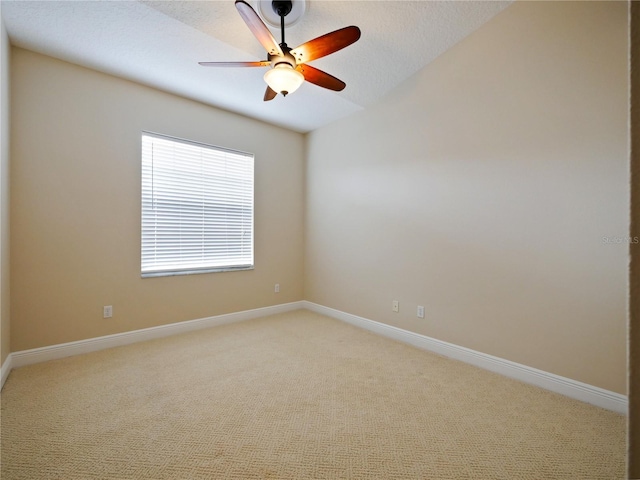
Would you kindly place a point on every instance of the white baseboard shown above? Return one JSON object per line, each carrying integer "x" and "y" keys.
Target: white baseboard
{"x": 6, "y": 369}
{"x": 43, "y": 354}
{"x": 555, "y": 383}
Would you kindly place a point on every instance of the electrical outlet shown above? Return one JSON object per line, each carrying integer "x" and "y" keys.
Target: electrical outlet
{"x": 420, "y": 312}
{"x": 277, "y": 288}
{"x": 395, "y": 306}
{"x": 107, "y": 311}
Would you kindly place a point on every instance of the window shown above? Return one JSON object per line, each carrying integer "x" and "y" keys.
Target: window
{"x": 197, "y": 207}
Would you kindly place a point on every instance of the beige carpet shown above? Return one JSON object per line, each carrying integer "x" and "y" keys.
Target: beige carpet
{"x": 293, "y": 396}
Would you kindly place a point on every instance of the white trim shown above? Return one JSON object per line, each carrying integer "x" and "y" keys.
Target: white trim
{"x": 555, "y": 383}
{"x": 562, "y": 385}
{"x": 6, "y": 369}
{"x": 43, "y": 354}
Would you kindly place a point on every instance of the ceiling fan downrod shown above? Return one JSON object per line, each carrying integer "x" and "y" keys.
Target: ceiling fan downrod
{"x": 283, "y": 77}
{"x": 282, "y": 8}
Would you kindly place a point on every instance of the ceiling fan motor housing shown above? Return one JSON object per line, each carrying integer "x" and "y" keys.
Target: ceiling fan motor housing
{"x": 286, "y": 58}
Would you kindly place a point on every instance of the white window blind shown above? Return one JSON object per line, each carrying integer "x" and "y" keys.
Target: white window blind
{"x": 197, "y": 207}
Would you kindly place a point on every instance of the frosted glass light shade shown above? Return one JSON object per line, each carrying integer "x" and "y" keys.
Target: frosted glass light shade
{"x": 283, "y": 79}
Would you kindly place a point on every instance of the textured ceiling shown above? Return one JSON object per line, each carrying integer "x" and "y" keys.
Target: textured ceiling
{"x": 159, "y": 43}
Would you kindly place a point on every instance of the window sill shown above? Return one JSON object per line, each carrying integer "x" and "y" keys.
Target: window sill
{"x": 173, "y": 273}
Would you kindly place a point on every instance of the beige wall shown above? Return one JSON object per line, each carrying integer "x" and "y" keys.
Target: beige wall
{"x": 634, "y": 277}
{"x": 75, "y": 206}
{"x": 5, "y": 323}
{"x": 482, "y": 189}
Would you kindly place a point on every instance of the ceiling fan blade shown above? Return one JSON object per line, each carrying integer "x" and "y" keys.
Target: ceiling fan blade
{"x": 269, "y": 94}
{"x": 258, "y": 28}
{"x": 326, "y": 44}
{"x": 320, "y": 78}
{"x": 235, "y": 64}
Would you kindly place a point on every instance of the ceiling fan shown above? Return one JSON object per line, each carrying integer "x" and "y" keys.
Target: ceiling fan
{"x": 289, "y": 67}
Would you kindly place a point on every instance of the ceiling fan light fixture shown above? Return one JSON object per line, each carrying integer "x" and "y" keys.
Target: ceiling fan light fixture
{"x": 284, "y": 79}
